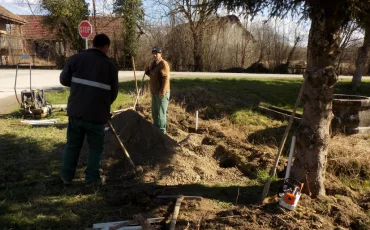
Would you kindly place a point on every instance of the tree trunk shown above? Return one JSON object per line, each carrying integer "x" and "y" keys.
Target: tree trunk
{"x": 362, "y": 55}
{"x": 313, "y": 133}
{"x": 198, "y": 50}
{"x": 261, "y": 53}
{"x": 290, "y": 55}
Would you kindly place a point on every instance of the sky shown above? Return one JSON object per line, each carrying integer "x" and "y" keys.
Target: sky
{"x": 17, "y": 7}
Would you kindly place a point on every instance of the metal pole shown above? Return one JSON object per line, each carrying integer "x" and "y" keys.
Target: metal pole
{"x": 32, "y": 95}
{"x": 196, "y": 120}
{"x": 15, "y": 84}
{"x": 86, "y": 43}
{"x": 292, "y": 145}
{"x": 30, "y": 79}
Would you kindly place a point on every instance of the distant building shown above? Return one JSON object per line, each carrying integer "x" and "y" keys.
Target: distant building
{"x": 11, "y": 37}
{"x": 44, "y": 44}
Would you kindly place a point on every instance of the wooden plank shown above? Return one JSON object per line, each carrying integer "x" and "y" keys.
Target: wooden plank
{"x": 177, "y": 196}
{"x": 39, "y": 121}
{"x": 277, "y": 115}
{"x": 107, "y": 225}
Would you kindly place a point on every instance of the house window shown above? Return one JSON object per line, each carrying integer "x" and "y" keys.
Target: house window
{"x": 59, "y": 47}
{"x": 8, "y": 28}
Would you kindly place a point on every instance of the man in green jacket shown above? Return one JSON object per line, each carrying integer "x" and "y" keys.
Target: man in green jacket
{"x": 159, "y": 73}
{"x": 93, "y": 79}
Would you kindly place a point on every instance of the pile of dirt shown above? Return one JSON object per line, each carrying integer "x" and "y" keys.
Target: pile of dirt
{"x": 165, "y": 161}
{"x": 189, "y": 161}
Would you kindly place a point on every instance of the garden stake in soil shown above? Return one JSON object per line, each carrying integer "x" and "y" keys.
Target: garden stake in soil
{"x": 273, "y": 170}
{"x": 176, "y": 211}
{"x": 133, "y": 66}
{"x": 138, "y": 170}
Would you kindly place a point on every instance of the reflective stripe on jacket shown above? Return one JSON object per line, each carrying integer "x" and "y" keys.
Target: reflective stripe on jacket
{"x": 93, "y": 79}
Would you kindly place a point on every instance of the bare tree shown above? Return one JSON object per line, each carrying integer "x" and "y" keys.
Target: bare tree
{"x": 94, "y": 15}
{"x": 277, "y": 41}
{"x": 346, "y": 41}
{"x": 195, "y": 13}
{"x": 362, "y": 56}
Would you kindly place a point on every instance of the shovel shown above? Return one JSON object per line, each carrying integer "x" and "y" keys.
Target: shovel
{"x": 273, "y": 170}
{"x": 137, "y": 106}
{"x": 137, "y": 170}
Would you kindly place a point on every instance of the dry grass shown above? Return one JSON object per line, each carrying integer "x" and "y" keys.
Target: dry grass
{"x": 349, "y": 159}
{"x": 344, "y": 150}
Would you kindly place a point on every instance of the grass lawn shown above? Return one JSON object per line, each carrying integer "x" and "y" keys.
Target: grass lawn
{"x": 31, "y": 195}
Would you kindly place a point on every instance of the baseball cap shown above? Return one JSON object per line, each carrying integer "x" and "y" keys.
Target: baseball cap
{"x": 156, "y": 50}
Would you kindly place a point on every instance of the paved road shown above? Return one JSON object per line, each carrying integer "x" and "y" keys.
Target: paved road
{"x": 49, "y": 79}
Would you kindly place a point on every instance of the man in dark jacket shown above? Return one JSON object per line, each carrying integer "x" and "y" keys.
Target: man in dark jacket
{"x": 93, "y": 79}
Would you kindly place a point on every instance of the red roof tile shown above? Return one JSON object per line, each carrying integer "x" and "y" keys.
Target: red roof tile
{"x": 36, "y": 30}
{"x": 9, "y": 16}
{"x": 107, "y": 25}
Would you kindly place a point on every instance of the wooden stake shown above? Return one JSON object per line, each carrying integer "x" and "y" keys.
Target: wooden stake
{"x": 139, "y": 92}
{"x": 176, "y": 212}
{"x": 179, "y": 199}
{"x": 133, "y": 66}
{"x": 273, "y": 171}
{"x": 121, "y": 144}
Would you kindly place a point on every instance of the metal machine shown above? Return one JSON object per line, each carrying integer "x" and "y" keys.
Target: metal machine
{"x": 33, "y": 101}
{"x": 292, "y": 188}
{"x": 292, "y": 192}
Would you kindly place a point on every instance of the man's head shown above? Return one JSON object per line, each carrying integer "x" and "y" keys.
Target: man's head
{"x": 157, "y": 53}
{"x": 101, "y": 42}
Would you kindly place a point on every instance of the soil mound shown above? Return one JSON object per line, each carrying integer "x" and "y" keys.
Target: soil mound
{"x": 164, "y": 160}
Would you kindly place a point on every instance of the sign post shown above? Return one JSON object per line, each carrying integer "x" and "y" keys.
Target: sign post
{"x": 85, "y": 30}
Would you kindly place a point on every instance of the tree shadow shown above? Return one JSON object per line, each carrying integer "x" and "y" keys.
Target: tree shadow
{"x": 345, "y": 87}
{"x": 231, "y": 95}
{"x": 33, "y": 196}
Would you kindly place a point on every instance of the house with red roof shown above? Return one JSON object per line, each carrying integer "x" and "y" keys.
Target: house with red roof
{"x": 27, "y": 35}
{"x": 44, "y": 44}
{"x": 11, "y": 37}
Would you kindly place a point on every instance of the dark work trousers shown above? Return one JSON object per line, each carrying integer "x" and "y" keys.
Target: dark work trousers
{"x": 77, "y": 129}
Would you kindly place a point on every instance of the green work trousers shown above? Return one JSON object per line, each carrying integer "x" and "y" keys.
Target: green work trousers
{"x": 77, "y": 129}
{"x": 159, "y": 110}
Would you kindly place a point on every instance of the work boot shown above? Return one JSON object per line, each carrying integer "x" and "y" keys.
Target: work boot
{"x": 96, "y": 183}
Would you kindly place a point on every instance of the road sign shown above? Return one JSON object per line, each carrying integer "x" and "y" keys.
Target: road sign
{"x": 85, "y": 29}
